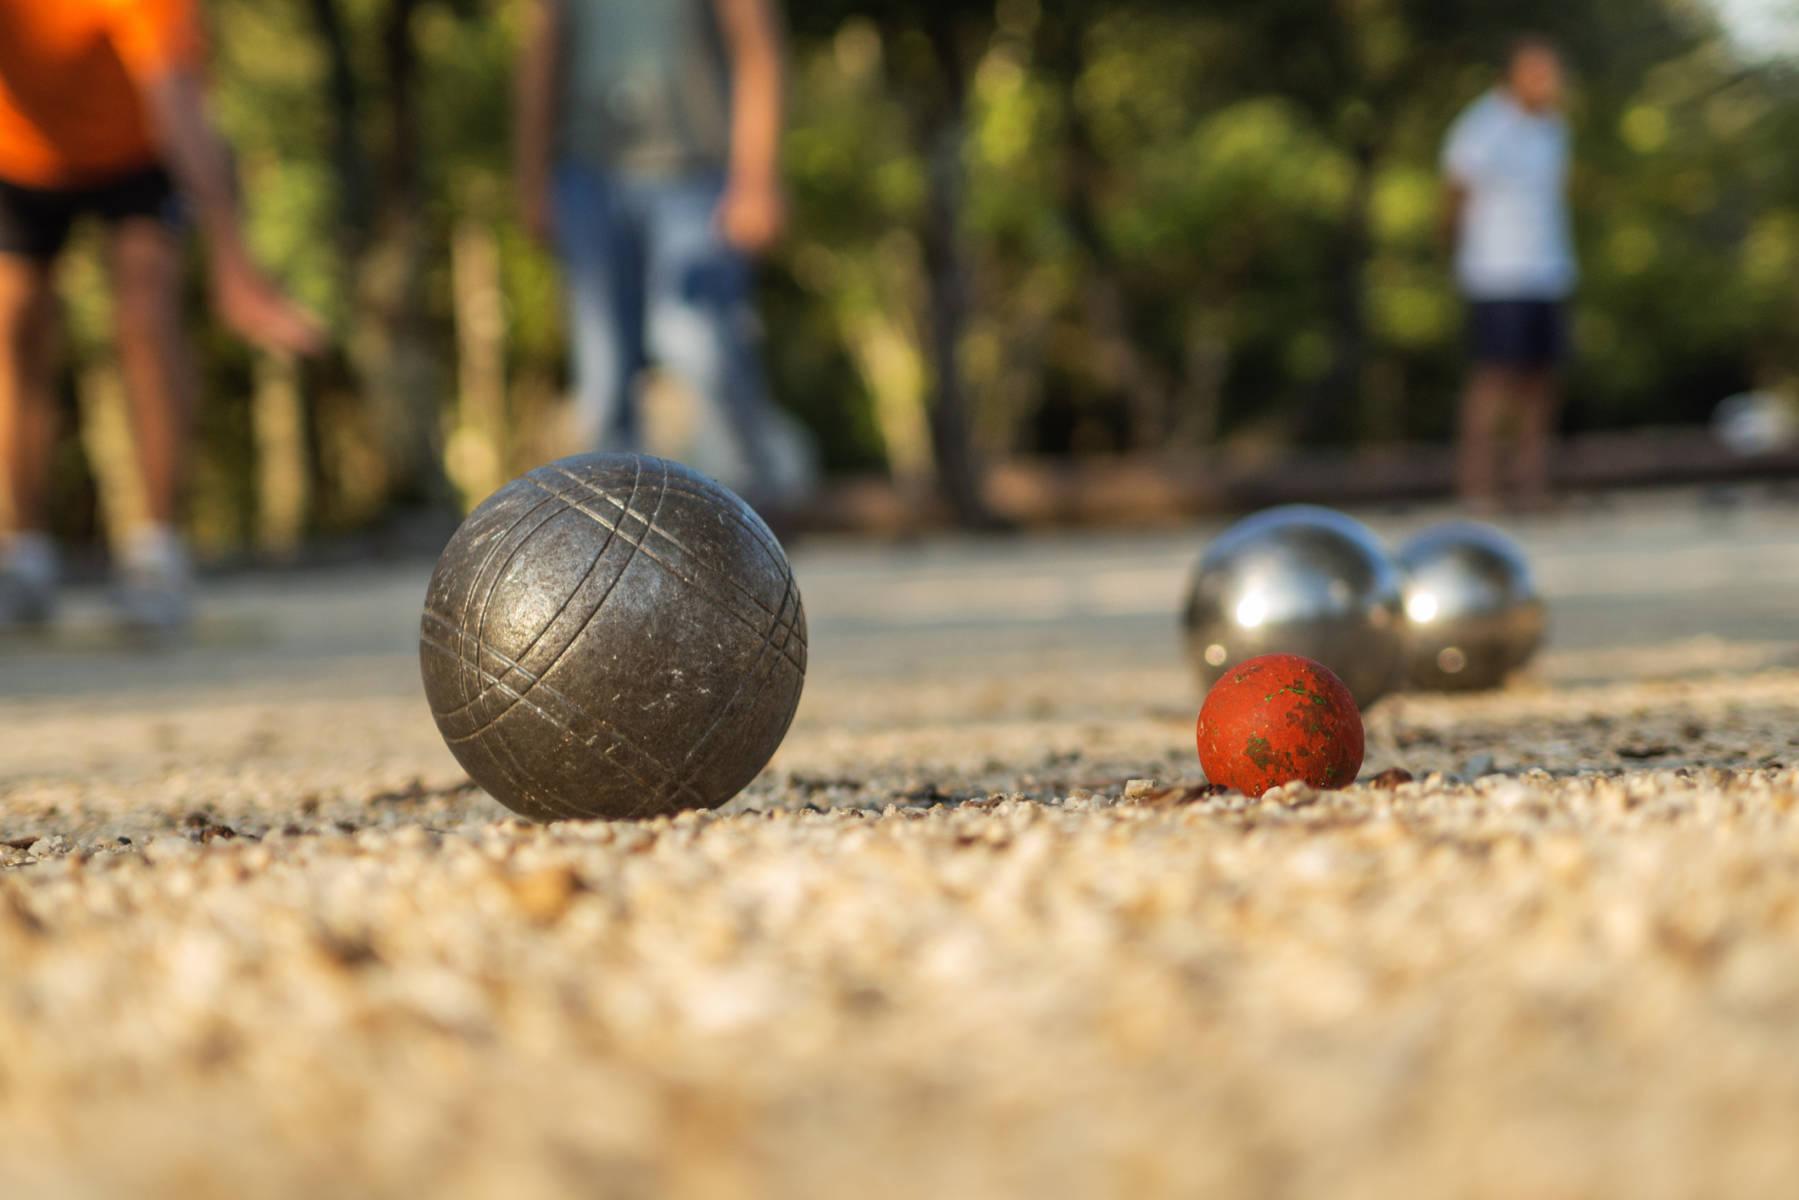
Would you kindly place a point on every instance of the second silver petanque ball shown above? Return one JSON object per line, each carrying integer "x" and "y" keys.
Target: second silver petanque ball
{"x": 1298, "y": 580}
{"x": 1473, "y": 612}
{"x": 613, "y": 636}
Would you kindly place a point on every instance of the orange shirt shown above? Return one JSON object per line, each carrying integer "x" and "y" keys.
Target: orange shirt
{"x": 72, "y": 75}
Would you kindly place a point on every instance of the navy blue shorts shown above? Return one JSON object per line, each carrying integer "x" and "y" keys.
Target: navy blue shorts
{"x": 1529, "y": 334}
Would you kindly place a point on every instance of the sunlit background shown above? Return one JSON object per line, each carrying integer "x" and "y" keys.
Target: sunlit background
{"x": 1179, "y": 230}
{"x": 1761, "y": 25}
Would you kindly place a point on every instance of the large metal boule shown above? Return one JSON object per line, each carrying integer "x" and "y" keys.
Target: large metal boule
{"x": 613, "y": 635}
{"x": 1298, "y": 580}
{"x": 1473, "y": 611}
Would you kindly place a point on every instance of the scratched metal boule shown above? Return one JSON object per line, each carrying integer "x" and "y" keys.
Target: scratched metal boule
{"x": 613, "y": 636}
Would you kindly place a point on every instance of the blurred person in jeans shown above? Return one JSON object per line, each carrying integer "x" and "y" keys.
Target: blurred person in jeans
{"x": 648, "y": 155}
{"x": 1507, "y": 163}
{"x": 102, "y": 115}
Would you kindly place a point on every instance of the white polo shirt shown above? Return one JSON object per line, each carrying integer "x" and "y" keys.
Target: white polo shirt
{"x": 1516, "y": 242}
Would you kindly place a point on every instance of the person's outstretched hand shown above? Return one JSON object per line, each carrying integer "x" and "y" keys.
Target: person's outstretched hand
{"x": 252, "y": 307}
{"x": 752, "y": 215}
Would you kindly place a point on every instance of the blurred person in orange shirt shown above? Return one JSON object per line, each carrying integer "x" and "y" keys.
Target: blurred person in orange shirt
{"x": 103, "y": 115}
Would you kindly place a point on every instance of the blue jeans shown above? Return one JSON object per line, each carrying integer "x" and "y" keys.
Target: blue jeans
{"x": 650, "y": 278}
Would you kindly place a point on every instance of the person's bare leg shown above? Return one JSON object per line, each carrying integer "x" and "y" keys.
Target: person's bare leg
{"x": 1539, "y": 407}
{"x": 1477, "y": 450}
{"x": 153, "y": 358}
{"x": 28, "y": 328}
{"x": 155, "y": 583}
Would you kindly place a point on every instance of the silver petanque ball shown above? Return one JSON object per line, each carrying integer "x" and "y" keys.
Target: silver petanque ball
{"x": 1473, "y": 612}
{"x": 613, "y": 635}
{"x": 1298, "y": 580}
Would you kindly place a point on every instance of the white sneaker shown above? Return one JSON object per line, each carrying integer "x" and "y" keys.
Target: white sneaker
{"x": 28, "y": 576}
{"x": 154, "y": 593}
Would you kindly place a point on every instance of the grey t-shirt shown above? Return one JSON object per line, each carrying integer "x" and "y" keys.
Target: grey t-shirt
{"x": 646, "y": 86}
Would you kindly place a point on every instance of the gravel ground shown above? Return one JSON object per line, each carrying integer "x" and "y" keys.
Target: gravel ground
{"x": 979, "y": 931}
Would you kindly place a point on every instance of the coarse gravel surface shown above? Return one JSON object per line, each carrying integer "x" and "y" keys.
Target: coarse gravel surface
{"x": 980, "y": 930}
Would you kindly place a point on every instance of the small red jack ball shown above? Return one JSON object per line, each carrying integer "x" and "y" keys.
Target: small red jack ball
{"x": 1278, "y": 718}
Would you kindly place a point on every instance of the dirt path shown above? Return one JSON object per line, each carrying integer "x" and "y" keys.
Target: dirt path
{"x": 973, "y": 933}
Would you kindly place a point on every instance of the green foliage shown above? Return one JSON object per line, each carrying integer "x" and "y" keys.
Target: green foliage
{"x": 1167, "y": 205}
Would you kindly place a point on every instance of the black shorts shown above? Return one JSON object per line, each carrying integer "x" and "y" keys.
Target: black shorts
{"x": 35, "y": 222}
{"x": 1518, "y": 333}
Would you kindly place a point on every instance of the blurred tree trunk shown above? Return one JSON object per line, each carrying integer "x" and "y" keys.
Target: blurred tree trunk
{"x": 381, "y": 243}
{"x": 1331, "y": 412}
{"x": 352, "y": 199}
{"x": 888, "y": 358}
{"x": 1123, "y": 368}
{"x": 1199, "y": 398}
{"x": 398, "y": 365}
{"x": 477, "y": 447}
{"x": 106, "y": 438}
{"x": 349, "y": 162}
{"x": 283, "y": 479}
{"x": 943, "y": 130}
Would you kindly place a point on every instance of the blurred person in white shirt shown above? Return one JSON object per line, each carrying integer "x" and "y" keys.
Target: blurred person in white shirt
{"x": 1506, "y": 162}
